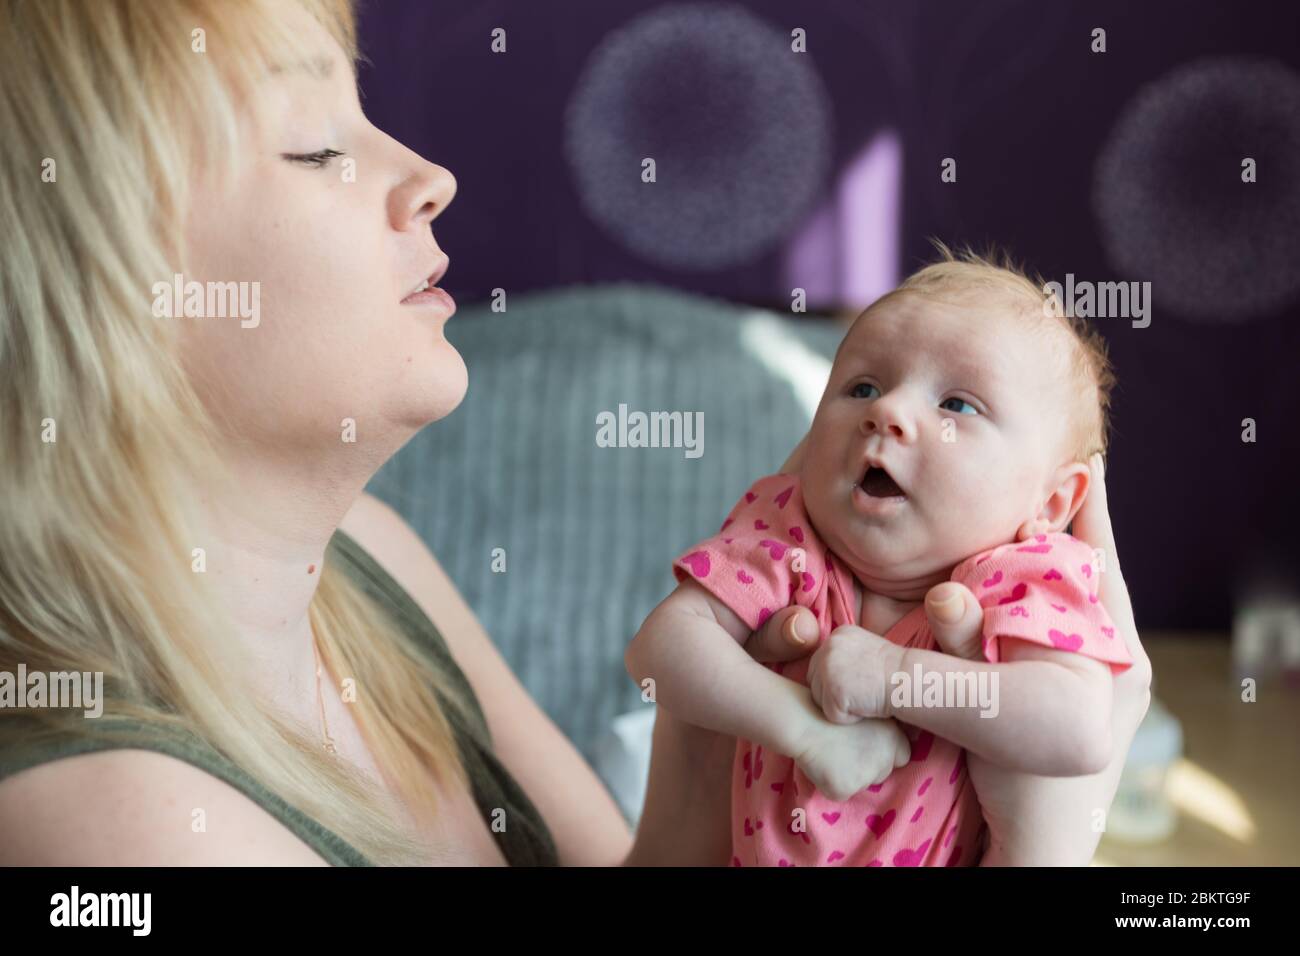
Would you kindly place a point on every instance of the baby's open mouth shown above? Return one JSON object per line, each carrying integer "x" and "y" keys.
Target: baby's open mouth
{"x": 878, "y": 484}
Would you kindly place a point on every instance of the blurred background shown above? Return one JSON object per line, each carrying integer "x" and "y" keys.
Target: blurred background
{"x": 798, "y": 158}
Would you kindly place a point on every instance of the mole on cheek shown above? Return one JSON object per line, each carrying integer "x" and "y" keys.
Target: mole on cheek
{"x": 311, "y": 569}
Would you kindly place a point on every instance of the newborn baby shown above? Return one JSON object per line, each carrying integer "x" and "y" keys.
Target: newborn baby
{"x": 950, "y": 444}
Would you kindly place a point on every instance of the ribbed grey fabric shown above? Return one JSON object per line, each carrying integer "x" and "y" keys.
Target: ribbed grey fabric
{"x": 589, "y": 532}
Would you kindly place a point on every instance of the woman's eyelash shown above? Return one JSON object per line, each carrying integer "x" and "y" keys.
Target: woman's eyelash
{"x": 318, "y": 159}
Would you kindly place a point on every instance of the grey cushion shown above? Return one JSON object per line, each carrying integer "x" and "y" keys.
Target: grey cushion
{"x": 589, "y": 532}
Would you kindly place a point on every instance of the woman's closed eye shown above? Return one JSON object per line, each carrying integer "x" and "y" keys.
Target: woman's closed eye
{"x": 319, "y": 159}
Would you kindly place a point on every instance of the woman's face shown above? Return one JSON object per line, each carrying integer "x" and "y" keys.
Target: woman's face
{"x": 334, "y": 248}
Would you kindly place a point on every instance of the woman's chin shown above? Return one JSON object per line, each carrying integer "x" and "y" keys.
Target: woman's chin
{"x": 436, "y": 390}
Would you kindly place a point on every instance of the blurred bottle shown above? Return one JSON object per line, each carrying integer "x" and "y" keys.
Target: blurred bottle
{"x": 1142, "y": 811}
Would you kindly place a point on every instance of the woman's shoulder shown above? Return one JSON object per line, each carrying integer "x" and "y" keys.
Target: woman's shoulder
{"x": 136, "y": 807}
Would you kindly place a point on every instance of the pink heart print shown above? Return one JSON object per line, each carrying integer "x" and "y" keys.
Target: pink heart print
{"x": 743, "y": 578}
{"x": 698, "y": 562}
{"x": 1059, "y": 608}
{"x": 912, "y": 857}
{"x": 925, "y": 786}
{"x": 835, "y": 855}
{"x": 760, "y": 524}
{"x": 1108, "y": 631}
{"x": 878, "y": 824}
{"x": 753, "y": 765}
{"x": 797, "y": 533}
{"x": 956, "y": 768}
{"x": 809, "y": 582}
{"x": 1036, "y": 548}
{"x": 774, "y": 548}
{"x": 1087, "y": 570}
{"x": 763, "y": 615}
{"x": 784, "y": 497}
{"x": 921, "y": 746}
{"x": 724, "y": 526}
{"x": 750, "y": 497}
{"x": 1066, "y": 642}
{"x": 1019, "y": 611}
{"x": 1017, "y": 594}
{"x": 993, "y": 581}
{"x": 831, "y": 818}
{"x": 1052, "y": 575}
{"x": 917, "y": 815}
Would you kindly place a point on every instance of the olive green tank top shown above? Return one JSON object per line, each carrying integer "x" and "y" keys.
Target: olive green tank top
{"x": 526, "y": 841}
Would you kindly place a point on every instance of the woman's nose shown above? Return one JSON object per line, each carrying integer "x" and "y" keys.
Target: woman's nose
{"x": 422, "y": 196}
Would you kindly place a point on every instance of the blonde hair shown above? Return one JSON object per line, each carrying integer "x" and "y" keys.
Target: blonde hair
{"x": 97, "y": 527}
{"x": 994, "y": 272}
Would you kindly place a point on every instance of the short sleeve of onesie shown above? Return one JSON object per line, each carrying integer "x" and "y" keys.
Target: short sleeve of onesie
{"x": 1045, "y": 591}
{"x": 764, "y": 557}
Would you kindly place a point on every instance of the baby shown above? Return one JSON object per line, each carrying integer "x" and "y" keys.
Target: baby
{"x": 950, "y": 444}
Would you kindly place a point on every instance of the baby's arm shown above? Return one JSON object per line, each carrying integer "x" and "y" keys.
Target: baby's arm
{"x": 691, "y": 646}
{"x": 1049, "y": 712}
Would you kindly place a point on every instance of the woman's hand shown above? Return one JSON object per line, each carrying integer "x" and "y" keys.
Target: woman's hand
{"x": 957, "y": 622}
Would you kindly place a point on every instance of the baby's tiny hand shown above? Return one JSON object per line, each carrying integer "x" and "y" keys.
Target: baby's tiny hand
{"x": 849, "y": 674}
{"x": 841, "y": 759}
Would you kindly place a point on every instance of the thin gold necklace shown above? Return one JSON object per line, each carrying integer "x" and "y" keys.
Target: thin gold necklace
{"x": 326, "y": 739}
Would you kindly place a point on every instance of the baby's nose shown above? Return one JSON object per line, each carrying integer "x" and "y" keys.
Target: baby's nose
{"x": 889, "y": 418}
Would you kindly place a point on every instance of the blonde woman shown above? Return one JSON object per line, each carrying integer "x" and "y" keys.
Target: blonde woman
{"x": 210, "y": 338}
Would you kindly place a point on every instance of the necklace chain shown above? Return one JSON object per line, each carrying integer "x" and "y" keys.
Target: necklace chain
{"x": 326, "y": 739}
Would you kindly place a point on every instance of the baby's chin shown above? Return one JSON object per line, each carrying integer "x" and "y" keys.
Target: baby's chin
{"x": 886, "y": 555}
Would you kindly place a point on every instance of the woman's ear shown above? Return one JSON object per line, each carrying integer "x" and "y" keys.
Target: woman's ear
{"x": 1066, "y": 490}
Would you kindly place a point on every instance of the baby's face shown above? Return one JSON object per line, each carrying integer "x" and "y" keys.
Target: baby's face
{"x": 939, "y": 435}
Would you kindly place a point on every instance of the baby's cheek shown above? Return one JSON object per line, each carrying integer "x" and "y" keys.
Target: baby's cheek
{"x": 981, "y": 501}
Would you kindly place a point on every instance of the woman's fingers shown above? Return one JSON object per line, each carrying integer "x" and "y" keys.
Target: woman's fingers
{"x": 788, "y": 634}
{"x": 1092, "y": 525}
{"x": 956, "y": 620}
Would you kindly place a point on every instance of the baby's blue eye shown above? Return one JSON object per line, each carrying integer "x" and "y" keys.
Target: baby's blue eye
{"x": 944, "y": 406}
{"x": 857, "y": 391}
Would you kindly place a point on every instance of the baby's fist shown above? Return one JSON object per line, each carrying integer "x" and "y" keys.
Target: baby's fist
{"x": 849, "y": 674}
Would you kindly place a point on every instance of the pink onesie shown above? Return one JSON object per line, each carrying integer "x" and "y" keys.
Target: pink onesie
{"x": 767, "y": 556}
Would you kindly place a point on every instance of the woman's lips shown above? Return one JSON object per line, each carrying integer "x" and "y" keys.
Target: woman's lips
{"x": 432, "y": 296}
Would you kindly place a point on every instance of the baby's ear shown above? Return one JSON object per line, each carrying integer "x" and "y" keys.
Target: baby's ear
{"x": 1066, "y": 490}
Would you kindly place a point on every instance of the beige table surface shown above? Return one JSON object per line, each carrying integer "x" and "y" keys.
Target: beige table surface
{"x": 1237, "y": 787}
